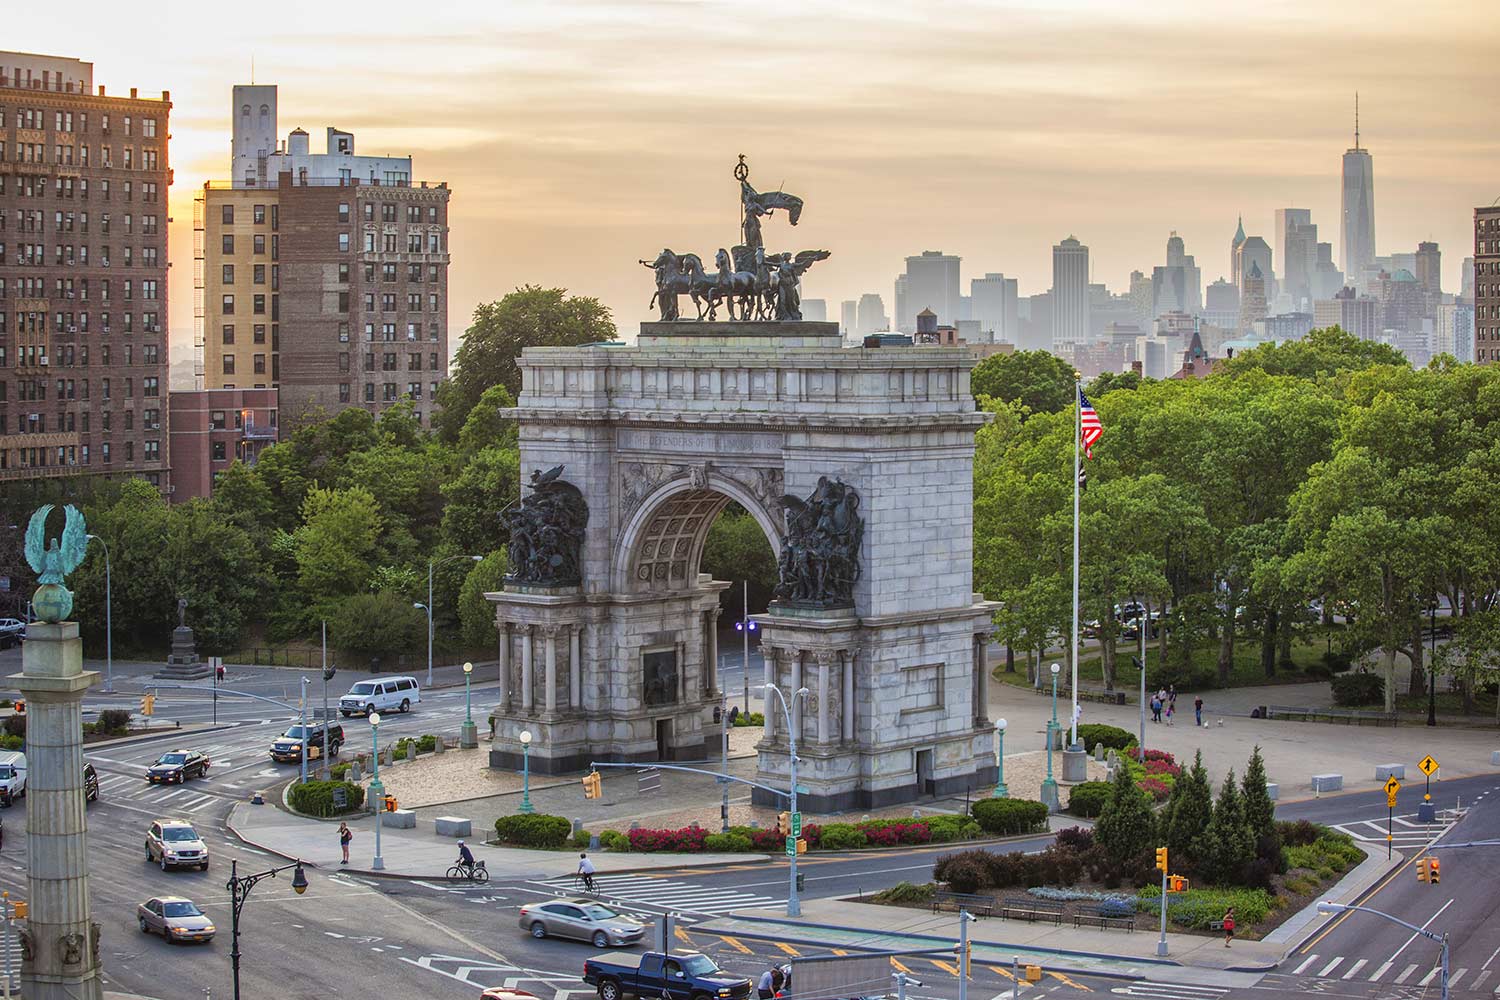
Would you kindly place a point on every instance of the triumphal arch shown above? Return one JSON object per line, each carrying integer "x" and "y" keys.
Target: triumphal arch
{"x": 858, "y": 466}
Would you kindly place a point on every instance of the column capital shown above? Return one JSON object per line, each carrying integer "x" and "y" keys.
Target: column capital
{"x": 825, "y": 657}
{"x": 551, "y": 631}
{"x": 523, "y": 628}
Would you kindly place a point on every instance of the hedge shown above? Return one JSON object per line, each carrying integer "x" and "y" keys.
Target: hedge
{"x": 1007, "y": 817}
{"x": 315, "y": 798}
{"x": 748, "y": 719}
{"x": 425, "y": 744}
{"x": 1087, "y": 799}
{"x": 534, "y": 830}
{"x": 687, "y": 840}
{"x": 1113, "y": 737}
{"x": 726, "y": 843}
{"x": 1352, "y": 690}
{"x": 614, "y": 840}
{"x": 819, "y": 837}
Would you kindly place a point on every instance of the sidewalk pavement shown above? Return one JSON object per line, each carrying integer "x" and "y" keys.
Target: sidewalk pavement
{"x": 420, "y": 853}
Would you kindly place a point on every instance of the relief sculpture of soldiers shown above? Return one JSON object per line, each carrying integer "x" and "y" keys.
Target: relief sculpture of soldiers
{"x": 750, "y": 283}
{"x": 546, "y": 531}
{"x": 819, "y": 562}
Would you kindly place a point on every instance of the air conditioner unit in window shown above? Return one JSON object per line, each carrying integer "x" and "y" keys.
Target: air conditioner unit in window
{"x": 42, "y": 360}
{"x": 72, "y": 329}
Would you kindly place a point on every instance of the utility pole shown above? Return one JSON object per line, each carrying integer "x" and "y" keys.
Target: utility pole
{"x": 745, "y": 635}
{"x": 306, "y": 736}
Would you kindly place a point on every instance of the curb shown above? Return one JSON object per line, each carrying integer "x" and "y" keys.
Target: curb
{"x": 150, "y": 737}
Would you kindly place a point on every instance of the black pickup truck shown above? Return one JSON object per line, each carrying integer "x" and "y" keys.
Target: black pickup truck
{"x": 681, "y": 976}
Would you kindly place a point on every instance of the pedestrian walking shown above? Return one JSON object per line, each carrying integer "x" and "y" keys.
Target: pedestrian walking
{"x": 345, "y": 835}
{"x": 1155, "y": 709}
{"x": 1228, "y": 926}
{"x": 1198, "y": 710}
{"x": 1171, "y": 694}
{"x": 1171, "y": 707}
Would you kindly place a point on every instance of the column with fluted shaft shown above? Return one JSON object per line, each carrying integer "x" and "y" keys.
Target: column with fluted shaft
{"x": 60, "y": 946}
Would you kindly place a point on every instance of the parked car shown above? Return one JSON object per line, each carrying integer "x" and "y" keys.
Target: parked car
{"x": 287, "y": 748}
{"x": 174, "y": 843}
{"x": 90, "y": 783}
{"x": 174, "y": 918}
{"x": 177, "y": 766}
{"x": 684, "y": 975}
{"x": 583, "y": 919}
{"x": 381, "y": 694}
{"x": 12, "y": 776}
{"x": 12, "y": 632}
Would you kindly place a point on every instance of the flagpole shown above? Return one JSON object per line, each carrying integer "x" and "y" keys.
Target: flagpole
{"x": 1077, "y": 460}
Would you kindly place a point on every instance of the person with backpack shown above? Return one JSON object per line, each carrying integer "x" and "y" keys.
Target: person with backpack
{"x": 345, "y": 835}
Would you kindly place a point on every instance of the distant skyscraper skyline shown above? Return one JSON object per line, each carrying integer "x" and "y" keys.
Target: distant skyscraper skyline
{"x": 1070, "y": 295}
{"x": 994, "y": 305}
{"x": 870, "y": 315}
{"x": 1178, "y": 286}
{"x": 1358, "y": 200}
{"x": 932, "y": 282}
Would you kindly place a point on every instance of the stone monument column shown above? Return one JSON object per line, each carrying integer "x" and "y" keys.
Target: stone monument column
{"x": 504, "y": 654}
{"x": 575, "y": 667}
{"x": 549, "y": 700}
{"x": 60, "y": 947}
{"x": 527, "y": 688}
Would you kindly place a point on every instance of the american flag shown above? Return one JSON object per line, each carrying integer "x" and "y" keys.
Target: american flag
{"x": 1090, "y": 429}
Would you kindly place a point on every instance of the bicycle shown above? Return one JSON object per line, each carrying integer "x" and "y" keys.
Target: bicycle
{"x": 589, "y": 884}
{"x": 469, "y": 873}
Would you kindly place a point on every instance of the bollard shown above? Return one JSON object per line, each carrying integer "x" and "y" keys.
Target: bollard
{"x": 411, "y": 750}
{"x": 635, "y": 824}
{"x": 438, "y": 744}
{"x": 577, "y": 827}
{"x": 355, "y": 775}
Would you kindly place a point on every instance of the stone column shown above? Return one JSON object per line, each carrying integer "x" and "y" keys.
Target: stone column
{"x": 60, "y": 946}
{"x": 981, "y": 679}
{"x": 713, "y": 651}
{"x": 504, "y": 666}
{"x": 768, "y": 661}
{"x": 793, "y": 702}
{"x": 528, "y": 700}
{"x": 848, "y": 658}
{"x": 575, "y": 667}
{"x": 825, "y": 667}
{"x": 681, "y": 652}
{"x": 549, "y": 698}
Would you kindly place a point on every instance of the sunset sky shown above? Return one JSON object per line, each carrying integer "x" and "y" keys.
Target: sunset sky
{"x": 580, "y": 135}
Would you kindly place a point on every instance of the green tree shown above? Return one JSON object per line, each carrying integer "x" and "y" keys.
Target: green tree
{"x": 1260, "y": 811}
{"x": 1187, "y": 814}
{"x": 336, "y": 544}
{"x": 1225, "y": 847}
{"x": 737, "y": 549}
{"x": 216, "y": 566}
{"x": 135, "y": 528}
{"x": 1038, "y": 380}
{"x": 472, "y": 502}
{"x": 1126, "y": 827}
{"x": 1321, "y": 354}
{"x": 476, "y": 614}
{"x": 528, "y": 317}
{"x": 485, "y": 427}
{"x": 1107, "y": 382}
{"x": 381, "y": 624}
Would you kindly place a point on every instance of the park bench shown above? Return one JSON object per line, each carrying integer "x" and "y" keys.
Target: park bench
{"x": 979, "y": 906}
{"x": 1105, "y": 915}
{"x": 1349, "y": 716}
{"x": 1029, "y": 908}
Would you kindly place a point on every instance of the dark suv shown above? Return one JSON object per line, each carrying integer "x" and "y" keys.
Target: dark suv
{"x": 287, "y": 748}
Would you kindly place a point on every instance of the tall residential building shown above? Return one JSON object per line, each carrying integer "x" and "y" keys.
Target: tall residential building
{"x": 1177, "y": 287}
{"x": 83, "y": 274}
{"x": 1466, "y": 280}
{"x": 1327, "y": 279}
{"x": 1353, "y": 313}
{"x": 1402, "y": 303}
{"x": 1299, "y": 253}
{"x": 1070, "y": 295}
{"x": 995, "y": 306}
{"x": 931, "y": 283}
{"x": 1142, "y": 299}
{"x": 322, "y": 274}
{"x": 1358, "y": 199}
{"x": 815, "y": 310}
{"x": 870, "y": 316}
{"x": 1487, "y": 285}
{"x": 213, "y": 428}
{"x": 1252, "y": 297}
{"x": 1222, "y": 305}
{"x": 902, "y": 307}
{"x": 1429, "y": 269}
{"x": 847, "y": 313}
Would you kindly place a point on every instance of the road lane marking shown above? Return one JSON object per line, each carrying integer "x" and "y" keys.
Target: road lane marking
{"x": 1486, "y": 965}
{"x": 1480, "y": 981}
{"x": 1380, "y": 972}
{"x": 1417, "y": 934}
{"x": 1330, "y": 967}
{"x": 1068, "y": 982}
{"x": 900, "y": 966}
{"x": 840, "y": 952}
{"x": 1305, "y": 963}
{"x": 1404, "y": 975}
{"x": 1354, "y": 969}
{"x": 947, "y": 967}
{"x": 1430, "y": 976}
{"x": 734, "y": 944}
{"x": 788, "y": 949}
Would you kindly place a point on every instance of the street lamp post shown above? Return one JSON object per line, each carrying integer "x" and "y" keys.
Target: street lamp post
{"x": 109, "y": 623}
{"x": 377, "y": 790}
{"x": 239, "y": 887}
{"x": 328, "y": 673}
{"x": 431, "y": 565}
{"x": 1049, "y": 787}
{"x": 526, "y": 806}
{"x": 1140, "y": 662}
{"x": 1000, "y": 791}
{"x": 468, "y": 738}
{"x": 1432, "y": 666}
{"x": 1326, "y": 906}
{"x": 306, "y": 734}
{"x": 793, "y": 903}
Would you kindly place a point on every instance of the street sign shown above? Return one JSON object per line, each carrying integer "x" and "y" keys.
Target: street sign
{"x": 796, "y": 824}
{"x": 791, "y": 847}
{"x": 1392, "y": 786}
{"x": 1427, "y": 765}
{"x": 340, "y": 797}
{"x": 1390, "y": 801}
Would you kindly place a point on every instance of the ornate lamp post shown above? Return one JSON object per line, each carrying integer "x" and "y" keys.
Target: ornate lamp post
{"x": 239, "y": 887}
{"x": 468, "y": 738}
{"x": 377, "y": 790}
{"x": 1432, "y": 665}
{"x": 1049, "y": 787}
{"x": 109, "y": 624}
{"x": 526, "y": 806}
{"x": 1000, "y": 791}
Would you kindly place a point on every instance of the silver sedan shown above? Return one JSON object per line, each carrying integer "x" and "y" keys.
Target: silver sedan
{"x": 582, "y": 919}
{"x": 174, "y": 918}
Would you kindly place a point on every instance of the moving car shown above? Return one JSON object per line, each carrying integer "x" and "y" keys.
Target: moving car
{"x": 90, "y": 783}
{"x": 287, "y": 748}
{"x": 174, "y": 843}
{"x": 684, "y": 975}
{"x": 12, "y": 776}
{"x": 174, "y": 918}
{"x": 381, "y": 694}
{"x": 177, "y": 766}
{"x": 583, "y": 919}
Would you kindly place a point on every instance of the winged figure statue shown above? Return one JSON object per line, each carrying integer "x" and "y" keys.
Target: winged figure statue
{"x": 52, "y": 601}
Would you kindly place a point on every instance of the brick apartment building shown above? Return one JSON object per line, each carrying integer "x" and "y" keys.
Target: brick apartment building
{"x": 1487, "y": 285}
{"x": 211, "y": 428}
{"x": 83, "y": 274}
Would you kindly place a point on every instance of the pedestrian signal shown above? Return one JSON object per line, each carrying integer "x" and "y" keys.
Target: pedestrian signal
{"x": 20, "y": 707}
{"x": 1176, "y": 883}
{"x": 784, "y": 824}
{"x": 1161, "y": 859}
{"x": 1422, "y": 869}
{"x": 801, "y": 846}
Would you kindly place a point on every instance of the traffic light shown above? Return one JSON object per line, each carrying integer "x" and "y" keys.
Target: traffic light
{"x": 1176, "y": 883}
{"x": 593, "y": 785}
{"x": 801, "y": 845}
{"x": 19, "y": 909}
{"x": 1422, "y": 869}
{"x": 20, "y": 707}
{"x": 784, "y": 824}
{"x": 148, "y": 704}
{"x": 1433, "y": 873}
{"x": 1161, "y": 859}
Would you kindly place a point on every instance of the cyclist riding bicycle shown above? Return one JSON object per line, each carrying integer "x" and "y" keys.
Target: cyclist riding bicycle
{"x": 586, "y": 871}
{"x": 465, "y": 856}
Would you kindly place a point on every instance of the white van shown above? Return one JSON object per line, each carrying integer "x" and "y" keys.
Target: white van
{"x": 12, "y": 776}
{"x": 380, "y": 694}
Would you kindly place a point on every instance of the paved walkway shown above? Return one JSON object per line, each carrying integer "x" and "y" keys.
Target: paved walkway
{"x": 420, "y": 853}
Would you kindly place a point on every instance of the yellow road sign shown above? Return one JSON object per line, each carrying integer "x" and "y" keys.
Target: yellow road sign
{"x": 1427, "y": 765}
{"x": 1392, "y": 786}
{"x": 1390, "y": 800}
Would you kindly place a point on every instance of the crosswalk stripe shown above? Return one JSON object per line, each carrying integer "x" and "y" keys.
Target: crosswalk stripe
{"x": 1354, "y": 969}
{"x": 1380, "y": 972}
{"x": 1330, "y": 967}
{"x": 1482, "y": 977}
{"x": 1405, "y": 974}
{"x": 1455, "y": 977}
{"x": 1305, "y": 963}
{"x": 1429, "y": 977}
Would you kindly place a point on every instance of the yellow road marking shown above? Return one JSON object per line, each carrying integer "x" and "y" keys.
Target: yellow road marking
{"x": 1068, "y": 982}
{"x": 947, "y": 967}
{"x": 839, "y": 952}
{"x": 900, "y": 967}
{"x": 1001, "y": 971}
{"x": 682, "y": 936}
{"x": 789, "y": 949}
{"x": 734, "y": 944}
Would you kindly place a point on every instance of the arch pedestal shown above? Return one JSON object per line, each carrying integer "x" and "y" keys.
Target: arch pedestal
{"x": 658, "y": 439}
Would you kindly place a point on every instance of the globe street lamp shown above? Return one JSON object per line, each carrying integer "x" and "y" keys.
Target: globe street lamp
{"x": 109, "y": 624}
{"x": 1049, "y": 787}
{"x": 239, "y": 887}
{"x": 1000, "y": 791}
{"x": 431, "y": 565}
{"x": 377, "y": 790}
{"x": 526, "y": 806}
{"x": 468, "y": 738}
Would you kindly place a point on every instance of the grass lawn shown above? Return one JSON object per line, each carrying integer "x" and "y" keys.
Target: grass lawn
{"x": 1246, "y": 672}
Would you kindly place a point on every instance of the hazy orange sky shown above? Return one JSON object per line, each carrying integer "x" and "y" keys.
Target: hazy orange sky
{"x": 579, "y": 135}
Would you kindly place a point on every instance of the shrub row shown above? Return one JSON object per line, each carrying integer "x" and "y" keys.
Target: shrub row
{"x": 1359, "y": 688}
{"x": 1199, "y": 909}
{"x": 425, "y": 744}
{"x": 1090, "y": 734}
{"x": 534, "y": 830}
{"x": 819, "y": 837}
{"x": 1009, "y": 817}
{"x": 1087, "y": 799}
{"x": 315, "y": 798}
{"x": 747, "y": 719}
